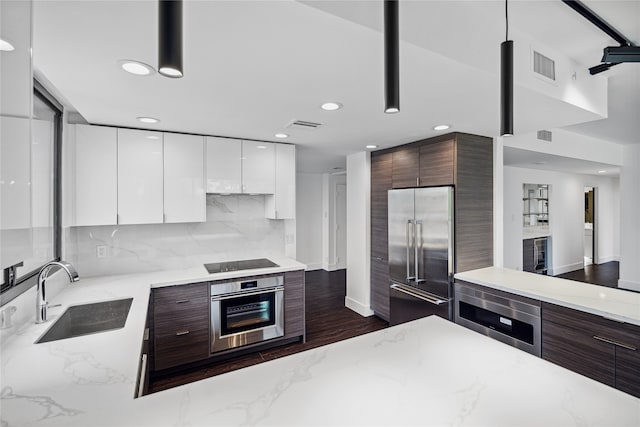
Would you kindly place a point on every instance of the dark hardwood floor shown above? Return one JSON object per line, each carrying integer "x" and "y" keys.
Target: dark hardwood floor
{"x": 603, "y": 274}
{"x": 327, "y": 321}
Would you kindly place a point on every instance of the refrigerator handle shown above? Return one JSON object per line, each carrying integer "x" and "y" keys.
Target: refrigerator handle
{"x": 417, "y": 250}
{"x": 410, "y": 241}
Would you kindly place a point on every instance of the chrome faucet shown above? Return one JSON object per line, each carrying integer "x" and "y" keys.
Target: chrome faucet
{"x": 41, "y": 296}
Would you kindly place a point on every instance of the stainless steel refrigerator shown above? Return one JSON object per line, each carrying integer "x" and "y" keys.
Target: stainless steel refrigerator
{"x": 421, "y": 253}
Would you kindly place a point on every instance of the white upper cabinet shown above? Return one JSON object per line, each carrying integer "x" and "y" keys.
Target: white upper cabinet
{"x": 282, "y": 205}
{"x": 96, "y": 180}
{"x": 140, "y": 177}
{"x": 184, "y": 178}
{"x": 224, "y": 165}
{"x": 258, "y": 167}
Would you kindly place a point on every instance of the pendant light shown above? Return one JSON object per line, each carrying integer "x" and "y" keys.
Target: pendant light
{"x": 391, "y": 57}
{"x": 170, "y": 38}
{"x": 506, "y": 80}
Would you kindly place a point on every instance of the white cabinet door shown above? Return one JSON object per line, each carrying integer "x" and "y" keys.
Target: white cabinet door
{"x": 140, "y": 177}
{"x": 282, "y": 205}
{"x": 184, "y": 192}
{"x": 258, "y": 167}
{"x": 224, "y": 165}
{"x": 96, "y": 180}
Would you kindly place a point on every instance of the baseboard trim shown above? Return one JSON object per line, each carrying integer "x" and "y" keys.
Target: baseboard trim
{"x": 361, "y": 309}
{"x": 567, "y": 268}
{"x": 629, "y": 284}
{"x": 609, "y": 259}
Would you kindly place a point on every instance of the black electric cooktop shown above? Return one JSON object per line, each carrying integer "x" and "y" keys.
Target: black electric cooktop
{"x": 245, "y": 264}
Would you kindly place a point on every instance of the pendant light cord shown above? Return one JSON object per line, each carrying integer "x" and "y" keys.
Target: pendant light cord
{"x": 506, "y": 19}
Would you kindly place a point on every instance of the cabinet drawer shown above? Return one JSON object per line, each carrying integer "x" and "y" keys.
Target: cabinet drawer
{"x": 578, "y": 351}
{"x": 180, "y": 294}
{"x": 172, "y": 318}
{"x": 181, "y": 347}
{"x": 595, "y": 325}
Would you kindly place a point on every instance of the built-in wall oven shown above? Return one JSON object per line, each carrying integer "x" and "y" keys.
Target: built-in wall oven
{"x": 246, "y": 312}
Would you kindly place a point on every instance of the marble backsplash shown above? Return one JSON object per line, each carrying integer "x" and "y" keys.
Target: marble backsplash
{"x": 235, "y": 229}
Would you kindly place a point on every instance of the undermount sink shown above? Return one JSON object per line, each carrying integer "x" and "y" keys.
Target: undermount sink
{"x": 87, "y": 319}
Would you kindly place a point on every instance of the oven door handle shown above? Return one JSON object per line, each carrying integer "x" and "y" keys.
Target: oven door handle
{"x": 246, "y": 294}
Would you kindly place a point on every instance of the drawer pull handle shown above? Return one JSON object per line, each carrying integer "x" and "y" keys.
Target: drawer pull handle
{"x": 616, "y": 343}
{"x": 180, "y": 333}
{"x": 182, "y": 301}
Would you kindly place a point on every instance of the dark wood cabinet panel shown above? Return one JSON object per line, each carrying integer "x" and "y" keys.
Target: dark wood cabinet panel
{"x": 473, "y": 202}
{"x": 180, "y": 326}
{"x": 180, "y": 293}
{"x": 405, "y": 167}
{"x": 436, "y": 163}
{"x": 381, "y": 182}
{"x": 603, "y": 349}
{"x": 578, "y": 351}
{"x": 628, "y": 370}
{"x": 380, "y": 288}
{"x": 294, "y": 321}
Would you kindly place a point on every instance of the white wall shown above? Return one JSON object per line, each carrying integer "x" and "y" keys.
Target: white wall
{"x": 358, "y": 233}
{"x": 309, "y": 219}
{"x": 566, "y": 216}
{"x": 570, "y": 144}
{"x": 629, "y": 222}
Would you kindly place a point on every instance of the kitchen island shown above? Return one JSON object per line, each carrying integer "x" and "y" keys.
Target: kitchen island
{"x": 428, "y": 372}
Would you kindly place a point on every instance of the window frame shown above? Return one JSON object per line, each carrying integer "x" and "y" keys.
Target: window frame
{"x": 27, "y": 280}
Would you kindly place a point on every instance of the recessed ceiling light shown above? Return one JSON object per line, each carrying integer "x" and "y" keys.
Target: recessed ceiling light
{"x": 602, "y": 171}
{"x": 331, "y": 106}
{"x": 391, "y": 110}
{"x": 371, "y": 146}
{"x": 5, "y": 46}
{"x": 148, "y": 120}
{"x": 261, "y": 147}
{"x": 136, "y": 67}
{"x": 441, "y": 127}
{"x": 281, "y": 135}
{"x": 153, "y": 137}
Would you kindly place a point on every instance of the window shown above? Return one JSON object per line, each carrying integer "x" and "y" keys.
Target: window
{"x": 34, "y": 237}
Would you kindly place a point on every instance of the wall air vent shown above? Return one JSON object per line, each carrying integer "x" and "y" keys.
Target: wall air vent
{"x": 544, "y": 135}
{"x": 303, "y": 125}
{"x": 544, "y": 66}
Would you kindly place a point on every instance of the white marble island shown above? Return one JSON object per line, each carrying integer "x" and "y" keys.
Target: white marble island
{"x": 426, "y": 372}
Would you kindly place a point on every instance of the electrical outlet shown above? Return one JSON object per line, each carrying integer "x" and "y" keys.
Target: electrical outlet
{"x": 101, "y": 251}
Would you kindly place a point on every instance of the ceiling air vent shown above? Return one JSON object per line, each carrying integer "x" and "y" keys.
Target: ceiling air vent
{"x": 544, "y": 135}
{"x": 544, "y": 66}
{"x": 303, "y": 125}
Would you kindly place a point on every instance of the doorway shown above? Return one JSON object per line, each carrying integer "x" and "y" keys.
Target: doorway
{"x": 589, "y": 226}
{"x": 341, "y": 226}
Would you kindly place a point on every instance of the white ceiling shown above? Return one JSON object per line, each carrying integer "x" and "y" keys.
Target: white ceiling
{"x": 535, "y": 160}
{"x": 251, "y": 67}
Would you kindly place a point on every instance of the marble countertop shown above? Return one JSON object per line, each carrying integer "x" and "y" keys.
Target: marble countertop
{"x": 425, "y": 372}
{"x": 616, "y": 304}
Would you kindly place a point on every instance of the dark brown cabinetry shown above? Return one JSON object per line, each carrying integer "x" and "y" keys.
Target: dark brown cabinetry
{"x": 294, "y": 304}
{"x": 180, "y": 325}
{"x": 381, "y": 181}
{"x": 462, "y": 160}
{"x": 405, "y": 167}
{"x": 598, "y": 348}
